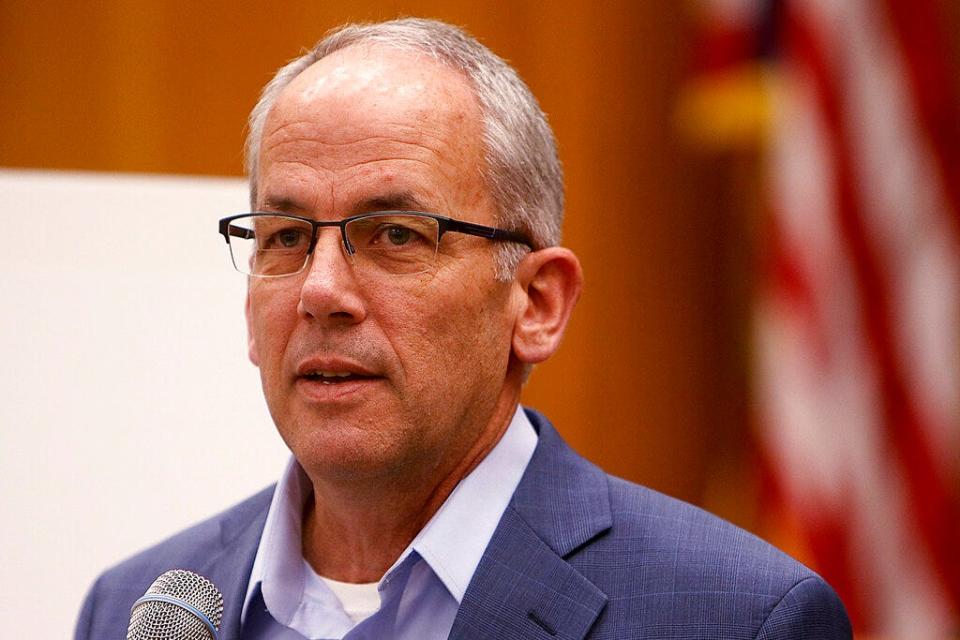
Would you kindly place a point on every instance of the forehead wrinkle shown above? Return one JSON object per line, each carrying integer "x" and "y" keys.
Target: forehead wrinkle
{"x": 380, "y": 195}
{"x": 323, "y": 154}
{"x": 438, "y": 130}
{"x": 325, "y": 165}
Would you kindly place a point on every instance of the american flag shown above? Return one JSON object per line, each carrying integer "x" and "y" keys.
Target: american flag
{"x": 857, "y": 323}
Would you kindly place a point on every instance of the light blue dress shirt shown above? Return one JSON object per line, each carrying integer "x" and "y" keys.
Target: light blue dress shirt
{"x": 420, "y": 593}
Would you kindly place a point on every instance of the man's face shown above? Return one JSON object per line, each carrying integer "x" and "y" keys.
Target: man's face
{"x": 418, "y": 362}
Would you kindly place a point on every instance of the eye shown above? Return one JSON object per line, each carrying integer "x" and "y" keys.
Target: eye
{"x": 290, "y": 238}
{"x": 393, "y": 233}
{"x": 398, "y": 235}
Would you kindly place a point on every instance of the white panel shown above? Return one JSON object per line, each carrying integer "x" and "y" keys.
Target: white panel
{"x": 129, "y": 408}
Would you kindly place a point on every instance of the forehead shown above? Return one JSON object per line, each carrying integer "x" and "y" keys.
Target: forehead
{"x": 370, "y": 110}
{"x": 370, "y": 71}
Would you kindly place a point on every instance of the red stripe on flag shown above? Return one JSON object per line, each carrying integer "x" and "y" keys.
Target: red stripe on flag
{"x": 831, "y": 544}
{"x": 935, "y": 513}
{"x": 918, "y": 26}
{"x": 791, "y": 284}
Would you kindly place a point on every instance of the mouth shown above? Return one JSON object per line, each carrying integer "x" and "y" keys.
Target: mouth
{"x": 334, "y": 377}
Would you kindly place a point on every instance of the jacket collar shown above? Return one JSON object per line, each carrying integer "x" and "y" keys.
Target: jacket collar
{"x": 524, "y": 587}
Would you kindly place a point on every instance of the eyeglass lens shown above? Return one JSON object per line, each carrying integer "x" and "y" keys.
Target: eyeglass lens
{"x": 387, "y": 243}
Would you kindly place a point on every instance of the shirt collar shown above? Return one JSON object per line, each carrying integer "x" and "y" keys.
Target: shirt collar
{"x": 454, "y": 539}
{"x": 452, "y": 542}
{"x": 278, "y": 566}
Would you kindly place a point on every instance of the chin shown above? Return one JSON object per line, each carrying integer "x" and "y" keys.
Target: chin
{"x": 347, "y": 453}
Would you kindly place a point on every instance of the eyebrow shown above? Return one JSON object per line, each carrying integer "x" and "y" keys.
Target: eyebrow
{"x": 285, "y": 205}
{"x": 395, "y": 200}
{"x": 389, "y": 201}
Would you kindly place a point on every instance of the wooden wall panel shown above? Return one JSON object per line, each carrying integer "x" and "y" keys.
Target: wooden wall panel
{"x": 650, "y": 381}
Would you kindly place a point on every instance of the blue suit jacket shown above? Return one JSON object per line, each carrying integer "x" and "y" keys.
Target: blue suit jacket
{"x": 577, "y": 554}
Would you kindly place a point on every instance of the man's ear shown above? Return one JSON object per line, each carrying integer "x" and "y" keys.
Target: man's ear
{"x": 550, "y": 281}
{"x": 251, "y": 342}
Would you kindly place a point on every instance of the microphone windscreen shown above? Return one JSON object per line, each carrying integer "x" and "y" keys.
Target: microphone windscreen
{"x": 179, "y": 605}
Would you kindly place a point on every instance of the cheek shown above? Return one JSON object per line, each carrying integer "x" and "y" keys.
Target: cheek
{"x": 445, "y": 339}
{"x": 273, "y": 316}
{"x": 410, "y": 323}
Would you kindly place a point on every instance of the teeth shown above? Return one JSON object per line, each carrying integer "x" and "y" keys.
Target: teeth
{"x": 330, "y": 374}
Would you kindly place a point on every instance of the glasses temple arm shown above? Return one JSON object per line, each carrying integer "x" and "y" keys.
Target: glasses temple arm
{"x": 227, "y": 230}
{"x": 487, "y": 232}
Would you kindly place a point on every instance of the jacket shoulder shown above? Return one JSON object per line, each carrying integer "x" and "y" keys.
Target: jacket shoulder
{"x": 679, "y": 568}
{"x": 667, "y": 524}
{"x": 196, "y": 548}
{"x": 809, "y": 610}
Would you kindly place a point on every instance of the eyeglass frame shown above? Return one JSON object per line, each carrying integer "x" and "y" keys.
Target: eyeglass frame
{"x": 444, "y": 224}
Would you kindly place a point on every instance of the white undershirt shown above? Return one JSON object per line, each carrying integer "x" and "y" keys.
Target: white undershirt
{"x": 360, "y": 601}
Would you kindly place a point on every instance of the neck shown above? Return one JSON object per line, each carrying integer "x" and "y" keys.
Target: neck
{"x": 354, "y": 532}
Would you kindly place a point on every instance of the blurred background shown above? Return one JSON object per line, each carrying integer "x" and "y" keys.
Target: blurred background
{"x": 765, "y": 196}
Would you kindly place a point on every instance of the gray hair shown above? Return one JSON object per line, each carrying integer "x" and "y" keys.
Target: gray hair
{"x": 522, "y": 168}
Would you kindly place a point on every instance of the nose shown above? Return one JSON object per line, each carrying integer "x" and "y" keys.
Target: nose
{"x": 330, "y": 291}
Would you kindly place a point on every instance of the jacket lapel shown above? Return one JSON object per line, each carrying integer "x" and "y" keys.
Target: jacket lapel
{"x": 523, "y": 586}
{"x": 229, "y": 567}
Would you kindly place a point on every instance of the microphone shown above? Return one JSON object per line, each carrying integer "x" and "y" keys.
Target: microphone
{"x": 179, "y": 605}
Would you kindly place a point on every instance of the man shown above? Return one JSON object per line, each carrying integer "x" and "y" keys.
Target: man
{"x": 404, "y": 277}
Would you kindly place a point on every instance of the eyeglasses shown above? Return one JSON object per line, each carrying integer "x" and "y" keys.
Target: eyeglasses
{"x": 270, "y": 245}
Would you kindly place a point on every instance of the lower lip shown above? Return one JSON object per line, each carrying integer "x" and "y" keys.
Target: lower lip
{"x": 318, "y": 391}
